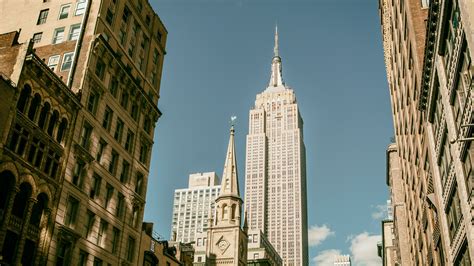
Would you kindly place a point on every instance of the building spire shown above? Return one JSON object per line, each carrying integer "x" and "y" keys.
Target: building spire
{"x": 230, "y": 182}
{"x": 276, "y": 79}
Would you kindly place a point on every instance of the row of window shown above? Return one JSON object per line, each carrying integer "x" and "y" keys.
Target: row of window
{"x": 54, "y": 61}
{"x": 59, "y": 34}
{"x": 64, "y": 11}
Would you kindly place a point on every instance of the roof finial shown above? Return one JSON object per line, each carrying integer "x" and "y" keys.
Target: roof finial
{"x": 275, "y": 49}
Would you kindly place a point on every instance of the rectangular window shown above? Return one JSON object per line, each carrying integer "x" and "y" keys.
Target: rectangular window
{"x": 134, "y": 111}
{"x": 86, "y": 135}
{"x": 107, "y": 118}
{"x": 147, "y": 125}
{"x": 130, "y": 248}
{"x": 144, "y": 153}
{"x": 95, "y": 186}
{"x": 92, "y": 101}
{"x": 64, "y": 253}
{"x": 80, "y": 7}
{"x": 64, "y": 11}
{"x": 124, "y": 99}
{"x": 139, "y": 183}
{"x": 37, "y": 37}
{"x": 58, "y": 35}
{"x": 100, "y": 150}
{"x": 129, "y": 141}
{"x": 43, "y": 15}
{"x": 53, "y": 62}
{"x": 97, "y": 262}
{"x": 100, "y": 68}
{"x": 78, "y": 173}
{"x": 120, "y": 203}
{"x": 113, "y": 87}
{"x": 89, "y": 223}
{"x": 109, "y": 194}
{"x": 126, "y": 14}
{"x": 74, "y": 32}
{"x": 113, "y": 162}
{"x": 71, "y": 211}
{"x": 115, "y": 239}
{"x": 101, "y": 235}
{"x": 125, "y": 171}
{"x": 67, "y": 61}
{"x": 82, "y": 258}
{"x": 119, "y": 130}
{"x": 109, "y": 17}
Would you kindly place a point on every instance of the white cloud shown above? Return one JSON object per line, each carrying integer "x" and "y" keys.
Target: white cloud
{"x": 326, "y": 257}
{"x": 379, "y": 212}
{"x": 317, "y": 234}
{"x": 364, "y": 250}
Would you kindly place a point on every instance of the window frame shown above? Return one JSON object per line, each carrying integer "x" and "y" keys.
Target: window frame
{"x": 61, "y": 11}
{"x": 65, "y": 61}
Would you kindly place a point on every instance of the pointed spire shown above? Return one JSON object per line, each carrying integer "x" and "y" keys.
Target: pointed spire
{"x": 230, "y": 182}
{"x": 275, "y": 49}
{"x": 276, "y": 76}
{"x": 246, "y": 226}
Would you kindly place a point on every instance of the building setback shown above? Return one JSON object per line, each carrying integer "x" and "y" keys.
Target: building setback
{"x": 429, "y": 73}
{"x": 192, "y": 206}
{"x": 110, "y": 54}
{"x": 275, "y": 170}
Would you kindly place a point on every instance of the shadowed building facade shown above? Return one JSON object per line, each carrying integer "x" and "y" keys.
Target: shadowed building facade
{"x": 427, "y": 55}
{"x": 110, "y": 54}
{"x": 275, "y": 169}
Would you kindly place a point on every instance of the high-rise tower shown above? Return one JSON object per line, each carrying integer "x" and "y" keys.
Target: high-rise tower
{"x": 275, "y": 171}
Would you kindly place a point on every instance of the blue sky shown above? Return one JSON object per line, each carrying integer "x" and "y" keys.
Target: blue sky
{"x": 218, "y": 58}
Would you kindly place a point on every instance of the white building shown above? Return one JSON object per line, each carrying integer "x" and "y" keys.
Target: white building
{"x": 192, "y": 206}
{"x": 275, "y": 178}
{"x": 342, "y": 260}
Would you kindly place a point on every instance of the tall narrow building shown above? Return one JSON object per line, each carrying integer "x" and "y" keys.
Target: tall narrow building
{"x": 275, "y": 178}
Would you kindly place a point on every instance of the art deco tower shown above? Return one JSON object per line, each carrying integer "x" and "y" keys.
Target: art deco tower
{"x": 275, "y": 177}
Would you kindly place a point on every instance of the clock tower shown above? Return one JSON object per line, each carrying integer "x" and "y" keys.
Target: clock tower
{"x": 227, "y": 240}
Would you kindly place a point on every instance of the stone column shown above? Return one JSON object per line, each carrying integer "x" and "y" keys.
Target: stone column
{"x": 6, "y": 215}
{"x": 24, "y": 232}
{"x": 43, "y": 238}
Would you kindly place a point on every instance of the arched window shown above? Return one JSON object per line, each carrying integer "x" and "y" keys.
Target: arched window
{"x": 52, "y": 122}
{"x": 225, "y": 212}
{"x": 6, "y": 183}
{"x": 61, "y": 130}
{"x": 38, "y": 209}
{"x": 23, "y": 101}
{"x": 44, "y": 115}
{"x": 21, "y": 200}
{"x": 234, "y": 211}
{"x": 34, "y": 107}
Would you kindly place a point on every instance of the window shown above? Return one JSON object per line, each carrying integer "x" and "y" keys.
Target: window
{"x": 115, "y": 239}
{"x": 134, "y": 111}
{"x": 119, "y": 130}
{"x": 71, "y": 211}
{"x": 125, "y": 171}
{"x": 78, "y": 173}
{"x": 97, "y": 262}
{"x": 86, "y": 135}
{"x": 58, "y": 35}
{"x": 107, "y": 118}
{"x": 139, "y": 183}
{"x": 89, "y": 223}
{"x": 109, "y": 194}
{"x": 43, "y": 15}
{"x": 113, "y": 87}
{"x": 80, "y": 7}
{"x": 64, "y": 11}
{"x": 126, "y": 14}
{"x": 53, "y": 62}
{"x": 37, "y": 37}
{"x": 147, "y": 125}
{"x": 101, "y": 235}
{"x": 134, "y": 217}
{"x": 129, "y": 141}
{"x": 130, "y": 248}
{"x": 113, "y": 162}
{"x": 124, "y": 99}
{"x": 144, "y": 153}
{"x": 100, "y": 150}
{"x": 63, "y": 256}
{"x": 156, "y": 56}
{"x": 120, "y": 202}
{"x": 74, "y": 32}
{"x": 109, "y": 17}
{"x": 454, "y": 213}
{"x": 92, "y": 101}
{"x": 100, "y": 68}
{"x": 82, "y": 258}
{"x": 67, "y": 61}
{"x": 95, "y": 186}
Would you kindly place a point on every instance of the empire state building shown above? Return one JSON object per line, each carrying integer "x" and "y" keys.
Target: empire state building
{"x": 275, "y": 169}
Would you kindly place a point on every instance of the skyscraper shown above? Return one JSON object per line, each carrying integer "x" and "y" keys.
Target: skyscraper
{"x": 275, "y": 170}
{"x": 192, "y": 206}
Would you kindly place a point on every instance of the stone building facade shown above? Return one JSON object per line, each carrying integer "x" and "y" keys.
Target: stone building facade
{"x": 429, "y": 73}
{"x": 155, "y": 252}
{"x": 110, "y": 53}
{"x": 37, "y": 116}
{"x": 260, "y": 251}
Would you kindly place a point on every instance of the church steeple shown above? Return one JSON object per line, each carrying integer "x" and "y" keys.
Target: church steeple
{"x": 230, "y": 182}
{"x": 276, "y": 78}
